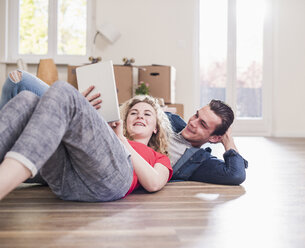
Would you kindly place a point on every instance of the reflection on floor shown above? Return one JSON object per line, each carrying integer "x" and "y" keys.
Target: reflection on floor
{"x": 265, "y": 211}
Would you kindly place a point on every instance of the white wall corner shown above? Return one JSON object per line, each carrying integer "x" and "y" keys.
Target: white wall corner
{"x": 3, "y": 29}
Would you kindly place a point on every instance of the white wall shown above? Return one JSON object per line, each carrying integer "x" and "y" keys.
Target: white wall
{"x": 3, "y": 11}
{"x": 164, "y": 32}
{"x": 289, "y": 69}
{"x": 154, "y": 32}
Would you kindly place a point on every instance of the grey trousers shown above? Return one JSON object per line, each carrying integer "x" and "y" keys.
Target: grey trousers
{"x": 62, "y": 136}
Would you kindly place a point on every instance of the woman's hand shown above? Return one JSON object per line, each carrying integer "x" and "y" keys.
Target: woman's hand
{"x": 93, "y": 99}
{"x": 117, "y": 127}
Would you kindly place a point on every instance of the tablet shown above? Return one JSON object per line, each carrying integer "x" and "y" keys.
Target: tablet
{"x": 102, "y": 77}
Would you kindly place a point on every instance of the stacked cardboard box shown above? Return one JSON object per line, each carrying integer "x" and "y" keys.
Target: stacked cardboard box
{"x": 161, "y": 80}
{"x": 175, "y": 108}
{"x": 124, "y": 82}
{"x": 72, "y": 75}
{"x": 123, "y": 77}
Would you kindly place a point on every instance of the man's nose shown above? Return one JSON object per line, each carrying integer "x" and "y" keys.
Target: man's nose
{"x": 193, "y": 123}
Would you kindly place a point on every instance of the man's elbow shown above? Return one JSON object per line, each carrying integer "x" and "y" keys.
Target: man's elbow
{"x": 238, "y": 178}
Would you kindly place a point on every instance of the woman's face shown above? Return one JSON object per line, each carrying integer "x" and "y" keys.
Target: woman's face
{"x": 141, "y": 121}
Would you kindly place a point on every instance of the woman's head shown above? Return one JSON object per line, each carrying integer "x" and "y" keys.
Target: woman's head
{"x": 144, "y": 119}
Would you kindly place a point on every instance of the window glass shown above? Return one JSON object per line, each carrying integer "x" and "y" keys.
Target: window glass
{"x": 249, "y": 57}
{"x": 213, "y": 50}
{"x": 33, "y": 27}
{"x": 246, "y": 52}
{"x": 72, "y": 16}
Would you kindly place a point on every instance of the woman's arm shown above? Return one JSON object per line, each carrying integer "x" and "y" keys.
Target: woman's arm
{"x": 151, "y": 178}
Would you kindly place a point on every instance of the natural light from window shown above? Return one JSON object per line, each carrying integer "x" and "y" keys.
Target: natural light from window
{"x": 248, "y": 47}
{"x": 249, "y": 57}
{"x": 72, "y": 17}
{"x": 33, "y": 27}
{"x": 36, "y": 21}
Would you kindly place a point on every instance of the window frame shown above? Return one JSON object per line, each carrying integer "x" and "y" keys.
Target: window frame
{"x": 13, "y": 36}
{"x": 256, "y": 126}
{"x": 246, "y": 126}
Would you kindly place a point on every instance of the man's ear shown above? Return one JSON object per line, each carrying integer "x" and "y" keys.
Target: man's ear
{"x": 215, "y": 138}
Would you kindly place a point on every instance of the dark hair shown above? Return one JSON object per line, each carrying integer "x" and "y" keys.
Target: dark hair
{"x": 225, "y": 113}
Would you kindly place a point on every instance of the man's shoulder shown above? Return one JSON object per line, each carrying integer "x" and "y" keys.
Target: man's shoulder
{"x": 178, "y": 124}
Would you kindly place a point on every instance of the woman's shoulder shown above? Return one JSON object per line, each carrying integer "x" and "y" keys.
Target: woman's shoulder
{"x": 144, "y": 149}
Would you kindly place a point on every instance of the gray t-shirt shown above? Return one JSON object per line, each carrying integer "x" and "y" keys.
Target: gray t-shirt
{"x": 177, "y": 147}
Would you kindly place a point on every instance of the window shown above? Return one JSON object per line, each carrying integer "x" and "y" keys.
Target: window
{"x": 57, "y": 29}
{"x": 234, "y": 66}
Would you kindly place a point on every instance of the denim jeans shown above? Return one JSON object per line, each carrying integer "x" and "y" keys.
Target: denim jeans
{"x": 28, "y": 82}
{"x": 62, "y": 135}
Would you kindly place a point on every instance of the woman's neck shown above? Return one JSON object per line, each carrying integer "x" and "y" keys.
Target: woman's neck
{"x": 142, "y": 140}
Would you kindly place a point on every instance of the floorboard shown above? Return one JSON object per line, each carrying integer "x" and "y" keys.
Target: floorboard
{"x": 268, "y": 210}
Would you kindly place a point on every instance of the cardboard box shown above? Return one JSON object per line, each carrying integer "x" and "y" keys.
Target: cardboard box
{"x": 47, "y": 71}
{"x": 124, "y": 82}
{"x": 123, "y": 77}
{"x": 161, "y": 80}
{"x": 72, "y": 75}
{"x": 176, "y": 109}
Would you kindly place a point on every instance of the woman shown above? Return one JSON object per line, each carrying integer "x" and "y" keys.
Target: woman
{"x": 77, "y": 153}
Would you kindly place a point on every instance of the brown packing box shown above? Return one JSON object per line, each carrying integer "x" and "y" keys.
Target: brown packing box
{"x": 176, "y": 109}
{"x": 161, "y": 80}
{"x": 124, "y": 82}
{"x": 123, "y": 77}
{"x": 47, "y": 71}
{"x": 72, "y": 75}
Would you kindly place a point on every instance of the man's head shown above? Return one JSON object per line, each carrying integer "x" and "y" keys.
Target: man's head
{"x": 209, "y": 123}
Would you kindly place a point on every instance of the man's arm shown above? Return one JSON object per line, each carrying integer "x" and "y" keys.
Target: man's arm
{"x": 230, "y": 171}
{"x": 228, "y": 141}
{"x": 203, "y": 167}
{"x": 152, "y": 178}
{"x": 176, "y": 121}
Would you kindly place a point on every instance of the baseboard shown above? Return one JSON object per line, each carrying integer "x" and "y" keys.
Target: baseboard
{"x": 289, "y": 134}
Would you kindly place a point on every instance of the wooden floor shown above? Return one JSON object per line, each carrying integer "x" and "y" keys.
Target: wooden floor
{"x": 268, "y": 210}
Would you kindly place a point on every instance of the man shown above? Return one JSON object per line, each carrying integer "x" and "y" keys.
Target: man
{"x": 191, "y": 162}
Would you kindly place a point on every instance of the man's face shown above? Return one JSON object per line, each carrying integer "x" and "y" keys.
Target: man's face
{"x": 200, "y": 127}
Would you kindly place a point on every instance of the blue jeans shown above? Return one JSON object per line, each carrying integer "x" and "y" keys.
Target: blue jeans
{"x": 62, "y": 136}
{"x": 28, "y": 82}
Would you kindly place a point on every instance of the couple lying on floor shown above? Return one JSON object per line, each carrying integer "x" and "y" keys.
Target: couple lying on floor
{"x": 54, "y": 135}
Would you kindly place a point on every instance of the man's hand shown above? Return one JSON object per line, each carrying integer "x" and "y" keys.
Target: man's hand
{"x": 227, "y": 140}
{"x": 93, "y": 100}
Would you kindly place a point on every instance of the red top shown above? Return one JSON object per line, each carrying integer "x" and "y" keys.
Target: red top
{"x": 152, "y": 157}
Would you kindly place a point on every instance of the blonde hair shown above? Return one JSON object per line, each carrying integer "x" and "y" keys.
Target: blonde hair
{"x": 159, "y": 141}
